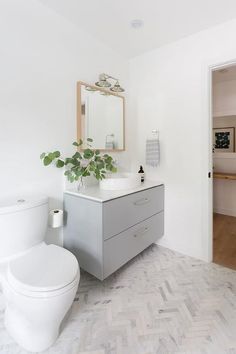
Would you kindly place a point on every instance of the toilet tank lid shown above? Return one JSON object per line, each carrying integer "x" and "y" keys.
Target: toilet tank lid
{"x": 14, "y": 204}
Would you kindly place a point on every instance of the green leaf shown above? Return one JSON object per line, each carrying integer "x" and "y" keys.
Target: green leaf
{"x": 97, "y": 158}
{"x": 97, "y": 175}
{"x": 57, "y": 154}
{"x": 42, "y": 155}
{"x": 79, "y": 143}
{"x": 88, "y": 153}
{"x": 97, "y": 152}
{"x": 51, "y": 156}
{"x": 78, "y": 173}
{"x": 71, "y": 179}
{"x": 75, "y": 143}
{"x": 75, "y": 162}
{"x": 77, "y": 155}
{"x": 68, "y": 160}
{"x": 108, "y": 159}
{"x": 86, "y": 173}
{"x": 101, "y": 165}
{"x": 114, "y": 169}
{"x": 60, "y": 163}
{"x": 90, "y": 140}
{"x": 47, "y": 161}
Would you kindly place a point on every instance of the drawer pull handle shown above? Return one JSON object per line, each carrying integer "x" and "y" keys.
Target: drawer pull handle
{"x": 141, "y": 232}
{"x": 142, "y": 201}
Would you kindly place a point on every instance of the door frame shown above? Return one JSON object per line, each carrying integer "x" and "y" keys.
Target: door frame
{"x": 208, "y": 249}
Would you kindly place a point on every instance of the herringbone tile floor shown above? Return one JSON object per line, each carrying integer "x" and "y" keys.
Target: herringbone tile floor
{"x": 161, "y": 302}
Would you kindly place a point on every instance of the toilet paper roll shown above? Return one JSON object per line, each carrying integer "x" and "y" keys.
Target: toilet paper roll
{"x": 55, "y": 218}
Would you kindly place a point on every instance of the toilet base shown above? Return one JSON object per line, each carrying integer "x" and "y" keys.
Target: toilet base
{"x": 33, "y": 339}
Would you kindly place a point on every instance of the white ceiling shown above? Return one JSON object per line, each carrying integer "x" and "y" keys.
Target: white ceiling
{"x": 165, "y": 21}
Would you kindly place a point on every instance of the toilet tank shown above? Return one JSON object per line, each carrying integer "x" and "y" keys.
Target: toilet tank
{"x": 23, "y": 224}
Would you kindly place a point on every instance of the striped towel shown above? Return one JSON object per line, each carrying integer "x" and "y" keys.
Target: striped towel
{"x": 152, "y": 152}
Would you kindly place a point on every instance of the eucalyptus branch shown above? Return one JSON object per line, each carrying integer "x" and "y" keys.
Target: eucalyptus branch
{"x": 82, "y": 163}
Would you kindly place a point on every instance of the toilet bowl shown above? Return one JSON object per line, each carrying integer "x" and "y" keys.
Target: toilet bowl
{"x": 39, "y": 285}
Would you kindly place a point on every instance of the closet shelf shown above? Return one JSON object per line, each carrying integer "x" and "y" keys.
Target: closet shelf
{"x": 224, "y": 175}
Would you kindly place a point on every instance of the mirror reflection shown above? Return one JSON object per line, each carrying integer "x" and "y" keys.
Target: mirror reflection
{"x": 101, "y": 117}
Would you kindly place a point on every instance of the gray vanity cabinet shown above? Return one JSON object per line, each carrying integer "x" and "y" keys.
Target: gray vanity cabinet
{"x": 104, "y": 235}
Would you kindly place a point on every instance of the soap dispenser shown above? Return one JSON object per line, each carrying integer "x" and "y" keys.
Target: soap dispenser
{"x": 141, "y": 171}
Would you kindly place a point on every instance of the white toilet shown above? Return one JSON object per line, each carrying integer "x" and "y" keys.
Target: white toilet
{"x": 39, "y": 281}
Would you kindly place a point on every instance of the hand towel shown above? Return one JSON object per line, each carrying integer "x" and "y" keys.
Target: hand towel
{"x": 152, "y": 152}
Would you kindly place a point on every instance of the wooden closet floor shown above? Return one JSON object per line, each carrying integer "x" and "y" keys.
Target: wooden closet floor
{"x": 224, "y": 241}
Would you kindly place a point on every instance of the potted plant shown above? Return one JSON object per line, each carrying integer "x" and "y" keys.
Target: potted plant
{"x": 82, "y": 163}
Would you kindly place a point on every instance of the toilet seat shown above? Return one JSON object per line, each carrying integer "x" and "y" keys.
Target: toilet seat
{"x": 47, "y": 270}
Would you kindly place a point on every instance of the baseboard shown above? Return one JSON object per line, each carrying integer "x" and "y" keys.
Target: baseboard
{"x": 230, "y": 212}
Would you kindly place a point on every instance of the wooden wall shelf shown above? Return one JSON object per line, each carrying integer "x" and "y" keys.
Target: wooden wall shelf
{"x": 223, "y": 175}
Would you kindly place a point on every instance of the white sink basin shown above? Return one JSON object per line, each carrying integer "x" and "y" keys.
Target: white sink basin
{"x": 120, "y": 181}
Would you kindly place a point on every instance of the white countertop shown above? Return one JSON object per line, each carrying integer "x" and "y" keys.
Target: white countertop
{"x": 99, "y": 195}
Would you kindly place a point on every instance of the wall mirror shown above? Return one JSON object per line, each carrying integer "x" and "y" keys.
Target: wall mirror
{"x": 100, "y": 116}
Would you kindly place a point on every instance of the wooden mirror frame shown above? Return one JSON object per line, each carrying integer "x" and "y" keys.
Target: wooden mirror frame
{"x": 79, "y": 113}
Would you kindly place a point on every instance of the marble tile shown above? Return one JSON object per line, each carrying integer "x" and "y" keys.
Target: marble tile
{"x": 160, "y": 302}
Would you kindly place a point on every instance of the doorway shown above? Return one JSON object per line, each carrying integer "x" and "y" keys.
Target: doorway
{"x": 224, "y": 164}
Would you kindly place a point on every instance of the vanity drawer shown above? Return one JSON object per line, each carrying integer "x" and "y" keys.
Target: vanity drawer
{"x": 121, "y": 248}
{"x": 122, "y": 213}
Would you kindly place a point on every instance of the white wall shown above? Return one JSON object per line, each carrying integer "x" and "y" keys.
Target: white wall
{"x": 42, "y": 57}
{"x": 169, "y": 92}
{"x": 224, "y": 98}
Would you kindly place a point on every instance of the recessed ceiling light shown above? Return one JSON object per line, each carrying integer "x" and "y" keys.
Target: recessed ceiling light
{"x": 136, "y": 24}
